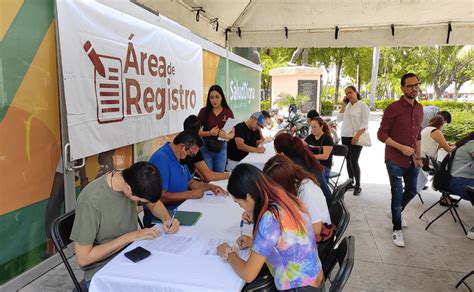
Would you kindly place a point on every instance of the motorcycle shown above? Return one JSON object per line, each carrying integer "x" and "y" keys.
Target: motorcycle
{"x": 295, "y": 124}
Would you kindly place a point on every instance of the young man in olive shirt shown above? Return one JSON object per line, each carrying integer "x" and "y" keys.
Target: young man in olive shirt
{"x": 106, "y": 215}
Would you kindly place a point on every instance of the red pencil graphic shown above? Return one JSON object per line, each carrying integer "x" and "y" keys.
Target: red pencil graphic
{"x": 99, "y": 67}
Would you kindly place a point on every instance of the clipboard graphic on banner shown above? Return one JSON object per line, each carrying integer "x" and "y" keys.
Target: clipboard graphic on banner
{"x": 108, "y": 86}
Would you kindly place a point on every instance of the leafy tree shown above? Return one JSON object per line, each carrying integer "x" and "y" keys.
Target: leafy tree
{"x": 286, "y": 99}
{"x": 329, "y": 56}
{"x": 272, "y": 58}
{"x": 358, "y": 66}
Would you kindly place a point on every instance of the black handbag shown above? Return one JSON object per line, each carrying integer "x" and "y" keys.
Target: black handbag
{"x": 212, "y": 144}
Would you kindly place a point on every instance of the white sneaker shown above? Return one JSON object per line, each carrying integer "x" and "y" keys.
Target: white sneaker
{"x": 404, "y": 222}
{"x": 397, "y": 238}
{"x": 470, "y": 233}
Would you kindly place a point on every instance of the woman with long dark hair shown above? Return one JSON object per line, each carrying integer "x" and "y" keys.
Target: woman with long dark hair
{"x": 462, "y": 167}
{"x": 300, "y": 183}
{"x": 213, "y": 118}
{"x": 321, "y": 144}
{"x": 282, "y": 236}
{"x": 355, "y": 115}
{"x": 462, "y": 171}
{"x": 295, "y": 149}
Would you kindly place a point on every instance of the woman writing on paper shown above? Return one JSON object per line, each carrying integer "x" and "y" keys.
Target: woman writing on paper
{"x": 300, "y": 183}
{"x": 213, "y": 118}
{"x": 282, "y": 237}
{"x": 295, "y": 149}
{"x": 321, "y": 144}
{"x": 355, "y": 116}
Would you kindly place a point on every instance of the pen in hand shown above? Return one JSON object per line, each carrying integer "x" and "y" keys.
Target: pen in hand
{"x": 241, "y": 232}
{"x": 172, "y": 218}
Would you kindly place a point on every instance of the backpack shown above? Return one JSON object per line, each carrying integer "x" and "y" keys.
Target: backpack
{"x": 442, "y": 176}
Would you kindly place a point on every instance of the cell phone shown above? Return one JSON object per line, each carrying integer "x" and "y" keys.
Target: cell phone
{"x": 137, "y": 254}
{"x": 345, "y": 100}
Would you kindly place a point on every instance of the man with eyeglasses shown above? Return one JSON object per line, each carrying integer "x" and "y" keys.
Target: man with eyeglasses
{"x": 400, "y": 131}
{"x": 178, "y": 184}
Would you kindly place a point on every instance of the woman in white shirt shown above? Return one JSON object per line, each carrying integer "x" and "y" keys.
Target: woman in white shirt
{"x": 297, "y": 181}
{"x": 355, "y": 116}
{"x": 432, "y": 139}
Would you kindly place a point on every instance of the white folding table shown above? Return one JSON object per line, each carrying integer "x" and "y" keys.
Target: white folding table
{"x": 191, "y": 270}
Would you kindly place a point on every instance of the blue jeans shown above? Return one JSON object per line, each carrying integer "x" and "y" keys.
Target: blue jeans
{"x": 323, "y": 185}
{"x": 327, "y": 171}
{"x": 457, "y": 186}
{"x": 216, "y": 161}
{"x": 401, "y": 196}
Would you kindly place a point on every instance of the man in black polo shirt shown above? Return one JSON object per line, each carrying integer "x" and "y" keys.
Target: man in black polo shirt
{"x": 247, "y": 140}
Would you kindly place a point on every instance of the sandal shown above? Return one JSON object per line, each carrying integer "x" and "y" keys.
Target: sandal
{"x": 444, "y": 202}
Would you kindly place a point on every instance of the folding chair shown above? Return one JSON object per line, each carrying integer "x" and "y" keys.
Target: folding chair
{"x": 263, "y": 283}
{"x": 337, "y": 150}
{"x": 445, "y": 195}
{"x": 344, "y": 256}
{"x": 339, "y": 192}
{"x": 340, "y": 217}
{"x": 60, "y": 232}
{"x": 462, "y": 281}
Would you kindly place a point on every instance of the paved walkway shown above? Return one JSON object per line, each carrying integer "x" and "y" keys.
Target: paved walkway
{"x": 432, "y": 260}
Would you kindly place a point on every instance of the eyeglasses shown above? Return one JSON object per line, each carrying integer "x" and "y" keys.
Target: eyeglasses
{"x": 190, "y": 152}
{"x": 413, "y": 86}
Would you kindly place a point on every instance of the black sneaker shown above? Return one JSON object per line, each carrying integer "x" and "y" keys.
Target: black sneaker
{"x": 357, "y": 190}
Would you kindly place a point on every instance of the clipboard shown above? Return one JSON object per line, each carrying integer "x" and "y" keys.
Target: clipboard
{"x": 229, "y": 124}
{"x": 185, "y": 218}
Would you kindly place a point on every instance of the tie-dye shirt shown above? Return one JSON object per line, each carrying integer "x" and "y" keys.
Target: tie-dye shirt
{"x": 291, "y": 254}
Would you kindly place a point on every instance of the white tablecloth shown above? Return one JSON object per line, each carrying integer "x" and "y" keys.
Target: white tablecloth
{"x": 259, "y": 159}
{"x": 190, "y": 271}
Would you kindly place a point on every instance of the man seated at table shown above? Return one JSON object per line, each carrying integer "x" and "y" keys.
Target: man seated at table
{"x": 196, "y": 164}
{"x": 267, "y": 119}
{"x": 247, "y": 140}
{"x": 106, "y": 214}
{"x": 178, "y": 184}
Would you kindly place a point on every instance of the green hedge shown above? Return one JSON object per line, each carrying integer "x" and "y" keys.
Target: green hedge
{"x": 462, "y": 116}
{"x": 265, "y": 105}
{"x": 327, "y": 107}
{"x": 462, "y": 124}
{"x": 443, "y": 105}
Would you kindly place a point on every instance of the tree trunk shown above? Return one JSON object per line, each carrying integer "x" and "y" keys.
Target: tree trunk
{"x": 457, "y": 87}
{"x": 358, "y": 78}
{"x": 338, "y": 79}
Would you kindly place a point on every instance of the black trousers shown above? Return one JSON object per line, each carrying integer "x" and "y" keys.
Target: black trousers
{"x": 353, "y": 168}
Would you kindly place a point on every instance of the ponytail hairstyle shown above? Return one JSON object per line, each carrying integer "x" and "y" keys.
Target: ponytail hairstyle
{"x": 289, "y": 175}
{"x": 293, "y": 147}
{"x": 436, "y": 121}
{"x": 248, "y": 179}
{"x": 323, "y": 123}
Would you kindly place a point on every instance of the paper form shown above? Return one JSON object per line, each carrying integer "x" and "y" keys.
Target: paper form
{"x": 174, "y": 244}
{"x": 229, "y": 124}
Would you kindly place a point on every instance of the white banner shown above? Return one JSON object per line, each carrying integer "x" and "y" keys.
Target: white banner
{"x": 125, "y": 80}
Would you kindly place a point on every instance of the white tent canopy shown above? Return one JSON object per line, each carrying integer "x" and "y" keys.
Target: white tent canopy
{"x": 312, "y": 23}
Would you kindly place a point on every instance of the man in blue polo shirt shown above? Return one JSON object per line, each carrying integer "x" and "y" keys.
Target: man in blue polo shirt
{"x": 177, "y": 182}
